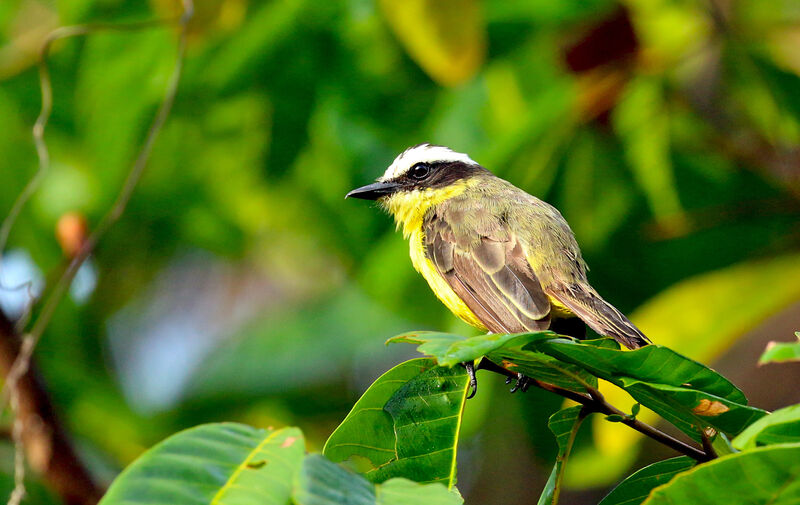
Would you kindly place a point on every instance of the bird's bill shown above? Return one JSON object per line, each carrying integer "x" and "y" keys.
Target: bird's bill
{"x": 374, "y": 191}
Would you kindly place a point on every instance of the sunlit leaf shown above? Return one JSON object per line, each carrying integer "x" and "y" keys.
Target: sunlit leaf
{"x": 447, "y": 38}
{"x": 781, "y": 426}
{"x": 213, "y": 463}
{"x": 637, "y": 487}
{"x": 780, "y": 352}
{"x": 564, "y": 424}
{"x": 764, "y": 475}
{"x": 406, "y": 424}
{"x": 324, "y": 483}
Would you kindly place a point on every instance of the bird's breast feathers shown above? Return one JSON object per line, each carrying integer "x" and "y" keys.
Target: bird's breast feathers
{"x": 438, "y": 284}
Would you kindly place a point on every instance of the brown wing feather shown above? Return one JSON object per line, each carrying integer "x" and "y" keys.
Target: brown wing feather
{"x": 491, "y": 276}
{"x": 600, "y": 315}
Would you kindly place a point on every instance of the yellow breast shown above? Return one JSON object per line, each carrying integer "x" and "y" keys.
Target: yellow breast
{"x": 437, "y": 283}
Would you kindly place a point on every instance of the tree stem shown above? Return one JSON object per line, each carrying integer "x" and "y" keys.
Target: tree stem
{"x": 595, "y": 402}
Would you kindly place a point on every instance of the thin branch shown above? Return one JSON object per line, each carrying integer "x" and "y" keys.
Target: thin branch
{"x": 122, "y": 199}
{"x": 595, "y": 402}
{"x": 37, "y": 428}
{"x": 47, "y": 106}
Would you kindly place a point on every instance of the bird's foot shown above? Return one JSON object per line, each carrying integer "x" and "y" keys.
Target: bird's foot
{"x": 522, "y": 384}
{"x": 473, "y": 381}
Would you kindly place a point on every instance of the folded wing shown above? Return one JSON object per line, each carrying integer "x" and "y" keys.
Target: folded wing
{"x": 601, "y": 316}
{"x": 490, "y": 273}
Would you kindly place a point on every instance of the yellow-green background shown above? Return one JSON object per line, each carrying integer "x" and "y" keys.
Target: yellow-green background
{"x": 240, "y": 286}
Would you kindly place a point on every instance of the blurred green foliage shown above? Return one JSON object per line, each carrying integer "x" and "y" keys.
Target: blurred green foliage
{"x": 240, "y": 286}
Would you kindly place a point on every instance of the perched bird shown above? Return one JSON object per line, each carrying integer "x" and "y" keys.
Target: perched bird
{"x": 500, "y": 259}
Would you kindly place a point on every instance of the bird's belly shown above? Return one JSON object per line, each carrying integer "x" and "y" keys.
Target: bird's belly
{"x": 440, "y": 288}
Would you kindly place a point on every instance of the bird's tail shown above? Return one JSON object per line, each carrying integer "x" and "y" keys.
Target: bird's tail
{"x": 598, "y": 314}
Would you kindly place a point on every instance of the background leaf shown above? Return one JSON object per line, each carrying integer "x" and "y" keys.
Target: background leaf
{"x": 449, "y": 52}
{"x": 324, "y": 483}
{"x": 781, "y": 352}
{"x": 213, "y": 463}
{"x": 634, "y": 489}
{"x": 764, "y": 475}
{"x": 564, "y": 424}
{"x": 781, "y": 426}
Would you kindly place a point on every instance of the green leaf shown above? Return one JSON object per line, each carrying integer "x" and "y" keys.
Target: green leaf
{"x": 213, "y": 463}
{"x": 682, "y": 391}
{"x": 545, "y": 368}
{"x": 722, "y": 445}
{"x": 321, "y": 482}
{"x": 406, "y": 424}
{"x": 564, "y": 424}
{"x": 636, "y": 487}
{"x": 778, "y": 427}
{"x": 781, "y": 352}
{"x": 502, "y": 349}
{"x": 762, "y": 475}
{"x": 689, "y": 409}
{"x": 450, "y": 349}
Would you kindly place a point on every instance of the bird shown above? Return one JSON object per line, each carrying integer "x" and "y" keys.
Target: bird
{"x": 500, "y": 259}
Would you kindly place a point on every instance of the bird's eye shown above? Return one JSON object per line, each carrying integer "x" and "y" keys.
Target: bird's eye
{"x": 419, "y": 171}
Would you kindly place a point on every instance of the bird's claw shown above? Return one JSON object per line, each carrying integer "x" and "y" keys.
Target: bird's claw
{"x": 522, "y": 384}
{"x": 473, "y": 381}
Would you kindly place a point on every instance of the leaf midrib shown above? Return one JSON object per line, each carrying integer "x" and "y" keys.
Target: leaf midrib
{"x": 241, "y": 467}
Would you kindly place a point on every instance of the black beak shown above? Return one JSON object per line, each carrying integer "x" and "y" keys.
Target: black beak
{"x": 374, "y": 191}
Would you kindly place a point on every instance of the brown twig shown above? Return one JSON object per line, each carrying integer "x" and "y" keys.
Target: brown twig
{"x": 595, "y": 402}
{"x": 49, "y": 450}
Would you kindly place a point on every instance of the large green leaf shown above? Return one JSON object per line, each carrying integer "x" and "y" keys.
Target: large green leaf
{"x": 505, "y": 350}
{"x": 781, "y": 426}
{"x": 321, "y": 482}
{"x": 781, "y": 352}
{"x": 682, "y": 391}
{"x": 564, "y": 424}
{"x": 637, "y": 487}
{"x": 763, "y": 475}
{"x": 213, "y": 463}
{"x": 406, "y": 424}
{"x": 652, "y": 363}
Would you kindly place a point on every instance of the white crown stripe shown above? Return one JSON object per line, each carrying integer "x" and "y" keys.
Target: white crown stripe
{"x": 423, "y": 153}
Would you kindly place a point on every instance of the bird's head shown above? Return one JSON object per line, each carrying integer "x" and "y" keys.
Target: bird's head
{"x": 421, "y": 176}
